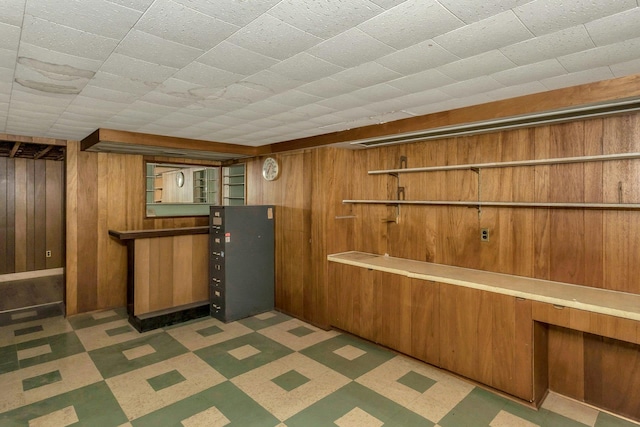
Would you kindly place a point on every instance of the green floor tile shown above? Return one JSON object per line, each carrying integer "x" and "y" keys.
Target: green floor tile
{"x": 110, "y": 361}
{"x": 41, "y": 380}
{"x": 326, "y": 411}
{"x": 606, "y": 420}
{"x": 26, "y": 331}
{"x": 300, "y": 331}
{"x": 324, "y": 353}
{"x": 416, "y": 381}
{"x": 82, "y": 321}
{"x": 479, "y": 408}
{"x": 211, "y": 330}
{"x": 290, "y": 380}
{"x": 94, "y": 405}
{"x": 166, "y": 380}
{"x": 219, "y": 358}
{"x": 237, "y": 407}
{"x": 119, "y": 331}
{"x": 257, "y": 324}
{"x": 8, "y": 359}
{"x": 62, "y": 345}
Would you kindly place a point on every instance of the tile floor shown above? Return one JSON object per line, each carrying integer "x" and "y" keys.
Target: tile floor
{"x": 268, "y": 370}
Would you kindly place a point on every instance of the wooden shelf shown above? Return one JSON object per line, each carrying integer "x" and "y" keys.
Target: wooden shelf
{"x": 517, "y": 163}
{"x": 476, "y": 204}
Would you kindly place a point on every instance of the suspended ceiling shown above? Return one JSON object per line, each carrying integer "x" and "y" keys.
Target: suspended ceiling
{"x": 258, "y": 72}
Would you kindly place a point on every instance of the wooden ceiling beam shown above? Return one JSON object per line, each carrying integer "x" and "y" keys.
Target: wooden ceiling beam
{"x": 14, "y": 150}
{"x": 43, "y": 152}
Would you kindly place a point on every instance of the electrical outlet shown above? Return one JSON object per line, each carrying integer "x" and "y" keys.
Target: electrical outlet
{"x": 484, "y": 234}
{"x": 48, "y": 254}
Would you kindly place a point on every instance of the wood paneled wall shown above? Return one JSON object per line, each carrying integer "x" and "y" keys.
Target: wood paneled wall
{"x": 586, "y": 247}
{"x": 104, "y": 192}
{"x": 31, "y": 214}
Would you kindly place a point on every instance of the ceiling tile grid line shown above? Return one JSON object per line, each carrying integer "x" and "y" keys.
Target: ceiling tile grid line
{"x": 253, "y": 72}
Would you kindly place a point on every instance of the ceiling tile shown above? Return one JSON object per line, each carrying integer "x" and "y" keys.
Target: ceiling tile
{"x": 154, "y": 49}
{"x": 87, "y": 105}
{"x": 471, "y": 87}
{"x": 419, "y": 57}
{"x": 327, "y": 87}
{"x": 159, "y": 98}
{"x": 422, "y": 98}
{"x": 236, "y": 59}
{"x": 57, "y": 60}
{"x": 411, "y": 22}
{"x": 272, "y": 37}
{"x": 9, "y": 36}
{"x": 140, "y": 5}
{"x": 515, "y": 91}
{"x": 178, "y": 120}
{"x": 12, "y": 12}
{"x": 391, "y": 104}
{"x": 563, "y": 42}
{"x": 351, "y": 48}
{"x": 242, "y": 94}
{"x": 312, "y": 110}
{"x": 132, "y": 68}
{"x": 452, "y": 104}
{"x": 547, "y": 16}
{"x": 479, "y": 65}
{"x": 92, "y": 16}
{"x": 626, "y": 68}
{"x": 55, "y": 78}
{"x": 103, "y": 94}
{"x": 233, "y": 11}
{"x": 205, "y": 75}
{"x": 387, "y": 4}
{"x": 248, "y": 115}
{"x": 21, "y": 105}
{"x": 294, "y": 98}
{"x": 615, "y": 28}
{"x": 192, "y": 29}
{"x": 324, "y": 19}
{"x": 478, "y": 10}
{"x": 530, "y": 73}
{"x": 8, "y": 59}
{"x": 370, "y": 73}
{"x": 66, "y": 40}
{"x": 271, "y": 82}
{"x": 122, "y": 84}
{"x": 305, "y": 68}
{"x": 490, "y": 33}
{"x": 425, "y": 80}
{"x": 601, "y": 56}
{"x": 38, "y": 98}
{"x": 342, "y": 102}
{"x": 269, "y": 107}
{"x": 378, "y": 92}
{"x": 581, "y": 77}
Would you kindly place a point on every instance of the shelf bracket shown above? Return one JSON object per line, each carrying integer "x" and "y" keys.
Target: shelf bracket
{"x": 396, "y": 219}
{"x": 403, "y": 162}
{"x": 401, "y": 195}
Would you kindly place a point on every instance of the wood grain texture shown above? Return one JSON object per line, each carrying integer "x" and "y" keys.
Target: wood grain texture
{"x": 40, "y": 215}
{"x": 566, "y": 362}
{"x": 20, "y": 212}
{"x": 4, "y": 219}
{"x": 425, "y": 321}
{"x": 71, "y": 227}
{"x": 392, "y": 307}
{"x": 54, "y": 193}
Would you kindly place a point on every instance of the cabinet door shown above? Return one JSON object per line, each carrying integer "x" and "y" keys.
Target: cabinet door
{"x": 487, "y": 337}
{"x": 392, "y": 315}
{"x": 425, "y": 321}
{"x": 351, "y": 299}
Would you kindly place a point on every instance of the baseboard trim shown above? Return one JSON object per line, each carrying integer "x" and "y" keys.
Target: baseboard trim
{"x": 30, "y": 274}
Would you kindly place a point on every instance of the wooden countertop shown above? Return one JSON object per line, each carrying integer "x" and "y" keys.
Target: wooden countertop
{"x": 619, "y": 304}
{"x": 163, "y": 232}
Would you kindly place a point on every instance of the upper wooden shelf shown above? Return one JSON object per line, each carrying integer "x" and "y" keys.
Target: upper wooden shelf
{"x": 614, "y": 303}
{"x": 480, "y": 204}
{"x": 515, "y": 163}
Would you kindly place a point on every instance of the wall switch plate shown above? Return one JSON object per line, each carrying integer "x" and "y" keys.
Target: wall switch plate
{"x": 484, "y": 234}
{"x": 48, "y": 254}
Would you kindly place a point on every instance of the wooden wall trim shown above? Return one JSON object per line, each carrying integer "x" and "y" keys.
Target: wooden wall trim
{"x": 33, "y": 140}
{"x": 607, "y": 90}
{"x": 149, "y": 140}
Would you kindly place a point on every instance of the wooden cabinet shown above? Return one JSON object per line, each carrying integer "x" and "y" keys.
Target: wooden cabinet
{"x": 392, "y": 311}
{"x": 351, "y": 299}
{"x": 425, "y": 321}
{"x": 487, "y": 337}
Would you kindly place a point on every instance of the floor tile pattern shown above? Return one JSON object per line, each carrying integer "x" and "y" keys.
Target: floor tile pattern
{"x": 268, "y": 370}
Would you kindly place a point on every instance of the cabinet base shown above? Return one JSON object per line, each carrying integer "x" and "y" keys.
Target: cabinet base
{"x": 162, "y": 318}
